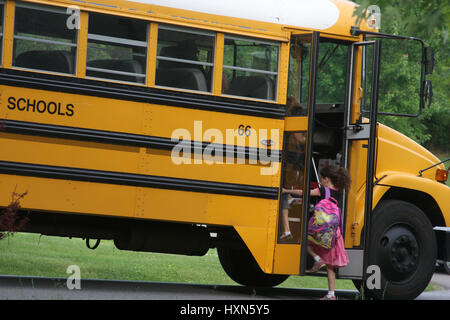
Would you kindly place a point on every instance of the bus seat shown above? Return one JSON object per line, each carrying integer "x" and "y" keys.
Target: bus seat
{"x": 259, "y": 87}
{"x": 54, "y": 60}
{"x": 186, "y": 50}
{"x": 184, "y": 78}
{"x": 131, "y": 66}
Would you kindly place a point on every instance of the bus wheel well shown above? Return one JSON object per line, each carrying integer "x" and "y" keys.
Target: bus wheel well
{"x": 420, "y": 199}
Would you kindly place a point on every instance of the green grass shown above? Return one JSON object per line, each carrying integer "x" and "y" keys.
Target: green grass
{"x": 31, "y": 254}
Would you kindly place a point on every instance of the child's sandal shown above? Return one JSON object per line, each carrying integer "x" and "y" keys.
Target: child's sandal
{"x": 286, "y": 236}
{"x": 317, "y": 266}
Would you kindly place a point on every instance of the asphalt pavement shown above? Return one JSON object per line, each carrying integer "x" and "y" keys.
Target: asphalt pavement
{"x": 42, "y": 288}
{"x": 443, "y": 281}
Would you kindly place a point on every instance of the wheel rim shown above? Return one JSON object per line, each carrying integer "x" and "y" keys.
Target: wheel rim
{"x": 398, "y": 253}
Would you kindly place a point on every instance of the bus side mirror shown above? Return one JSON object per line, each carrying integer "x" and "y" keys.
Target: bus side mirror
{"x": 429, "y": 60}
{"x": 427, "y": 94}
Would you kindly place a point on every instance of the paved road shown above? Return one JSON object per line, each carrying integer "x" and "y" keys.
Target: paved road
{"x": 13, "y": 288}
{"x": 40, "y": 288}
{"x": 442, "y": 280}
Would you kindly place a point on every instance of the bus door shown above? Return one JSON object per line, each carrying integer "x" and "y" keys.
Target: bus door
{"x": 295, "y": 137}
{"x": 360, "y": 144}
{"x": 364, "y": 87}
{"x": 334, "y": 133}
{"x": 291, "y": 207}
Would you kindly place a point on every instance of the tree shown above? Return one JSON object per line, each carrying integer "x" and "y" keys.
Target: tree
{"x": 427, "y": 20}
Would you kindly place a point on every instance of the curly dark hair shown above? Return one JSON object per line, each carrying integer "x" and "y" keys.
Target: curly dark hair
{"x": 339, "y": 176}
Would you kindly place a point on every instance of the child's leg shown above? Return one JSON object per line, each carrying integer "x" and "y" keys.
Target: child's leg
{"x": 311, "y": 252}
{"x": 285, "y": 220}
{"x": 331, "y": 282}
{"x": 331, "y": 279}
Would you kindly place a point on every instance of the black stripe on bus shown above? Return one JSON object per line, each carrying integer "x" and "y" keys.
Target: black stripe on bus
{"x": 135, "y": 140}
{"x": 136, "y": 180}
{"x": 131, "y": 92}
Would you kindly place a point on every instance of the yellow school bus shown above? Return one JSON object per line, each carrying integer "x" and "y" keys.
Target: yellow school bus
{"x": 171, "y": 126}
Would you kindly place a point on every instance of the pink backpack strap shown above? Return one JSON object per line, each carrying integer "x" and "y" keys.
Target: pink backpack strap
{"x": 327, "y": 193}
{"x": 329, "y": 197}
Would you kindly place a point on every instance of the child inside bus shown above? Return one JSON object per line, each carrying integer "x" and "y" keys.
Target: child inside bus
{"x": 293, "y": 179}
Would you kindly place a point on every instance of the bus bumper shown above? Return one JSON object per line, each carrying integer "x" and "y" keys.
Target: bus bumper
{"x": 443, "y": 242}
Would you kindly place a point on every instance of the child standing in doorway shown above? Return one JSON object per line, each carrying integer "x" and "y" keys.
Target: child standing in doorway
{"x": 336, "y": 179}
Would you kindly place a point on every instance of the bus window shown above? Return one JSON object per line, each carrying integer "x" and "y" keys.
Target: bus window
{"x": 251, "y": 68}
{"x": 185, "y": 58}
{"x": 2, "y": 10}
{"x": 328, "y": 144}
{"x": 117, "y": 48}
{"x": 298, "y": 81}
{"x": 42, "y": 40}
{"x": 331, "y": 73}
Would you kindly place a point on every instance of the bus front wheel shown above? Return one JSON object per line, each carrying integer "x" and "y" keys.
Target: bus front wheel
{"x": 403, "y": 246}
{"x": 240, "y": 266}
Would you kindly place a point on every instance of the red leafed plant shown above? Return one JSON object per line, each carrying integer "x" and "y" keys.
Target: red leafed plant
{"x": 10, "y": 219}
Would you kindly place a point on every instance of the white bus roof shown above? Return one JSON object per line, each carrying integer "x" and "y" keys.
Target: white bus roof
{"x": 317, "y": 14}
{"x": 272, "y": 19}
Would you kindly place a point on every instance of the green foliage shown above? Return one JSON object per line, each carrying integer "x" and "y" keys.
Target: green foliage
{"x": 332, "y": 71}
{"x": 400, "y": 77}
{"x": 437, "y": 121}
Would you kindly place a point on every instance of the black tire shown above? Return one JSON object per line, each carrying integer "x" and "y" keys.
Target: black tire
{"x": 403, "y": 245}
{"x": 240, "y": 266}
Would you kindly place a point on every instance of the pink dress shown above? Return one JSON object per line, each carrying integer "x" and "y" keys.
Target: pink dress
{"x": 336, "y": 256}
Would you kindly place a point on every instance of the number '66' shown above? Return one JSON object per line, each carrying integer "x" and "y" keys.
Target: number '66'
{"x": 244, "y": 130}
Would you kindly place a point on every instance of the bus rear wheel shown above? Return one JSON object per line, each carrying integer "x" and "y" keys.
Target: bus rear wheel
{"x": 403, "y": 246}
{"x": 240, "y": 266}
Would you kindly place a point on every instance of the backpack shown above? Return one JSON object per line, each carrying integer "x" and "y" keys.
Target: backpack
{"x": 324, "y": 223}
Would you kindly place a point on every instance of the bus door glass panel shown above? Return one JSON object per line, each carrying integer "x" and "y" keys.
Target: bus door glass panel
{"x": 294, "y": 148}
{"x": 291, "y": 211}
{"x": 400, "y": 63}
{"x": 330, "y": 100}
{"x": 329, "y": 112}
{"x": 2, "y": 10}
{"x": 327, "y": 130}
{"x": 298, "y": 81}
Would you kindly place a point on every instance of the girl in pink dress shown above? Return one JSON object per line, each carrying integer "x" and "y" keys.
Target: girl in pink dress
{"x": 336, "y": 179}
